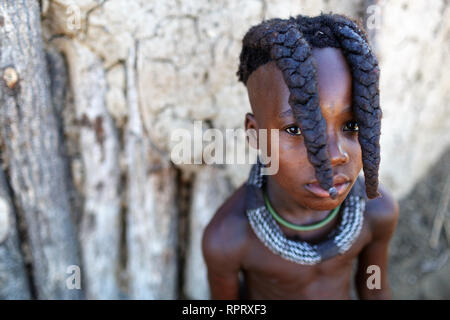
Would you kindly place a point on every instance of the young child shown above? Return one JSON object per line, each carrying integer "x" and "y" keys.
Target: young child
{"x": 295, "y": 234}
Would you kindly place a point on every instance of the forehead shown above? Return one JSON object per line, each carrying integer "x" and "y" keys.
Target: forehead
{"x": 269, "y": 94}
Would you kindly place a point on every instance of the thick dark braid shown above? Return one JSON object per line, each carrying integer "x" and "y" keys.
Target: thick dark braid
{"x": 288, "y": 43}
{"x": 281, "y": 41}
{"x": 365, "y": 100}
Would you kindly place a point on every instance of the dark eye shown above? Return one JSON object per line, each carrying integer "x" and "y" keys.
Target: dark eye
{"x": 351, "y": 126}
{"x": 293, "y": 130}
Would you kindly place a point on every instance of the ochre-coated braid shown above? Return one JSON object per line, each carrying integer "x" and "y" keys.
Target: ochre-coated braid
{"x": 366, "y": 102}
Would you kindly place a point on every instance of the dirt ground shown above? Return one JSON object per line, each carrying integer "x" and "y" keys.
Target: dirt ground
{"x": 416, "y": 271}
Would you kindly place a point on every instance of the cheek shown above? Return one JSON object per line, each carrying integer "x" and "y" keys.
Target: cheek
{"x": 291, "y": 149}
{"x": 355, "y": 153}
{"x": 293, "y": 160}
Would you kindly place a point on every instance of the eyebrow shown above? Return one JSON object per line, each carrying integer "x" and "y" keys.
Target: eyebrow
{"x": 288, "y": 113}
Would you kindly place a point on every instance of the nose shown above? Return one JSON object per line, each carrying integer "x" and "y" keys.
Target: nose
{"x": 337, "y": 152}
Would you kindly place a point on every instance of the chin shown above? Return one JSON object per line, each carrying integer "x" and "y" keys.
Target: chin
{"x": 328, "y": 204}
{"x": 316, "y": 203}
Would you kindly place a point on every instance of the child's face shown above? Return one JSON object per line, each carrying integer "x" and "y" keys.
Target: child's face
{"x": 269, "y": 95}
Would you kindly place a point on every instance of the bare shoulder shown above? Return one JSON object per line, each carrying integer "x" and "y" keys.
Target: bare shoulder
{"x": 225, "y": 237}
{"x": 382, "y": 213}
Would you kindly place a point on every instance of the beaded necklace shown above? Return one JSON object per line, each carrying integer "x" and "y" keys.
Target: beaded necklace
{"x": 270, "y": 234}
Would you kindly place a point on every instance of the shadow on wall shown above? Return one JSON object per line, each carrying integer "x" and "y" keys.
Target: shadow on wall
{"x": 418, "y": 271}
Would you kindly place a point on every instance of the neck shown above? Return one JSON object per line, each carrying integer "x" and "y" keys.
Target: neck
{"x": 289, "y": 208}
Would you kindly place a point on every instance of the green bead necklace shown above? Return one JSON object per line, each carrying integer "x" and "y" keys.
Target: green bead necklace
{"x": 298, "y": 227}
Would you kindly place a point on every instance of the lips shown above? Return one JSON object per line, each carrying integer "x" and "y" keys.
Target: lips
{"x": 341, "y": 182}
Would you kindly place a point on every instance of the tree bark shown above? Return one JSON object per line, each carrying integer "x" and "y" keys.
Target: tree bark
{"x": 13, "y": 277}
{"x": 30, "y": 146}
{"x": 98, "y": 144}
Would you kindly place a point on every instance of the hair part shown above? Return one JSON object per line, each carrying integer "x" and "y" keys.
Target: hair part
{"x": 289, "y": 43}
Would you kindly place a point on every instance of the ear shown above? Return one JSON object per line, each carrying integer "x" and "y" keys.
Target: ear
{"x": 251, "y": 129}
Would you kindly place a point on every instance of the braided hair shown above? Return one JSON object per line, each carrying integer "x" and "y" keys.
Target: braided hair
{"x": 289, "y": 43}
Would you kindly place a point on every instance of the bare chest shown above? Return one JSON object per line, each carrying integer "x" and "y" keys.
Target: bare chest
{"x": 269, "y": 276}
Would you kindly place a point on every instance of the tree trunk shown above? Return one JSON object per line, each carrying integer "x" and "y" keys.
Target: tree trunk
{"x": 98, "y": 149}
{"x": 13, "y": 277}
{"x": 31, "y": 150}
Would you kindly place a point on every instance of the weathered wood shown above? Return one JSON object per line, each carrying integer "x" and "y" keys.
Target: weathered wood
{"x": 31, "y": 150}
{"x": 99, "y": 150}
{"x": 13, "y": 277}
{"x": 151, "y": 203}
{"x": 210, "y": 189}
